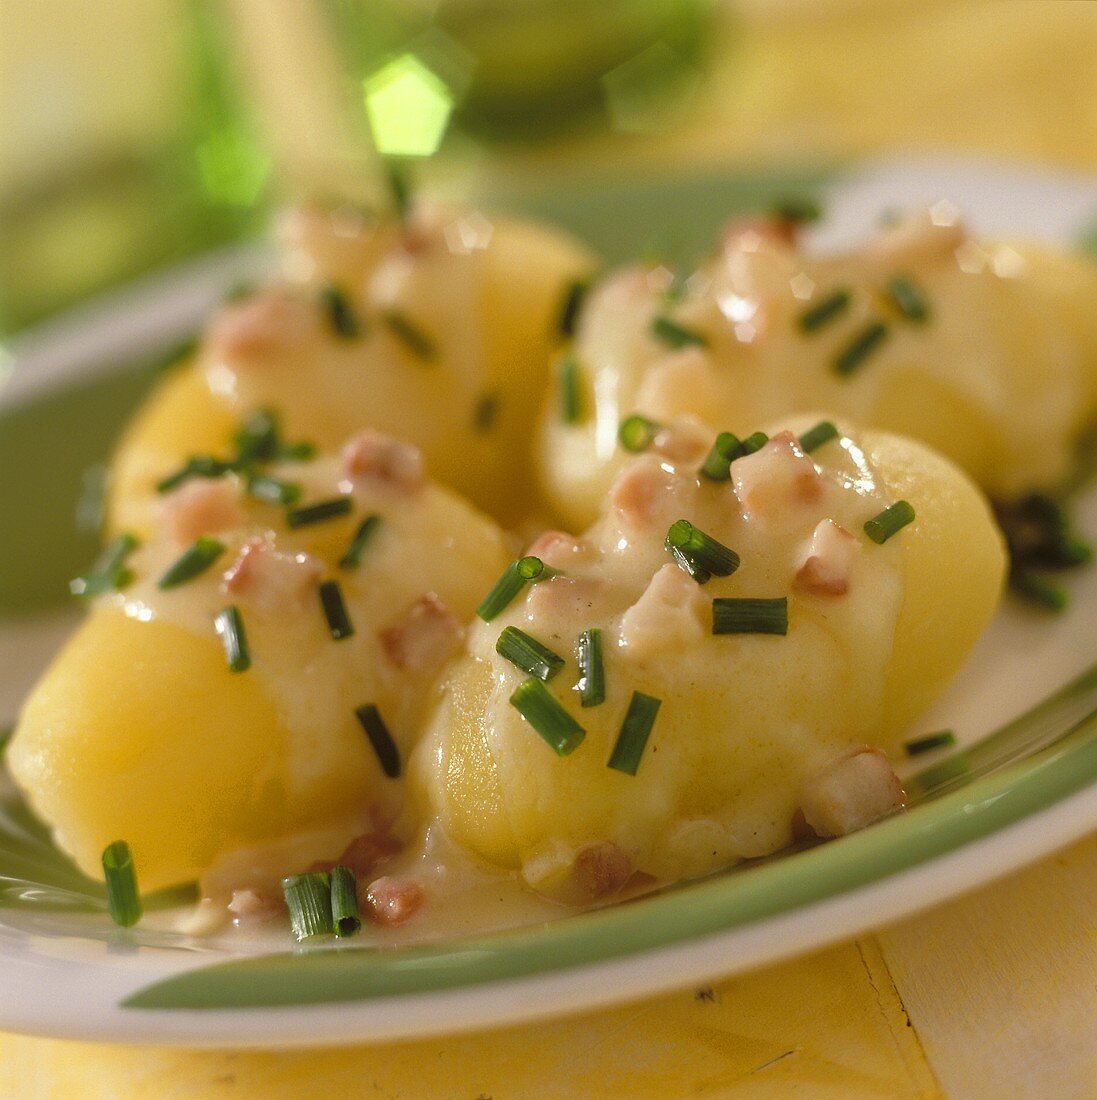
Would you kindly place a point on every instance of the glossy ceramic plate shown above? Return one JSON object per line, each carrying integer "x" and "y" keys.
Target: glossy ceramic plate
{"x": 1022, "y": 782}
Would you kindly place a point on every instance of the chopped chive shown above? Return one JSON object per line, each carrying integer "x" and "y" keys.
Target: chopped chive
{"x": 528, "y": 654}
{"x": 123, "y": 901}
{"x": 750, "y": 616}
{"x": 592, "y": 676}
{"x": 308, "y": 898}
{"x": 814, "y": 438}
{"x": 892, "y": 519}
{"x": 544, "y": 712}
{"x": 108, "y": 572}
{"x": 859, "y": 348}
{"x": 574, "y": 293}
{"x": 230, "y": 628}
{"x": 824, "y": 311}
{"x": 194, "y": 561}
{"x": 258, "y": 438}
{"x": 753, "y": 442}
{"x": 485, "y": 412}
{"x": 571, "y": 398}
{"x": 345, "y": 917}
{"x": 273, "y": 490}
{"x": 341, "y": 316}
{"x": 510, "y": 583}
{"x": 1038, "y": 590}
{"x": 416, "y": 340}
{"x": 798, "y": 210}
{"x": 675, "y": 335}
{"x": 1039, "y": 535}
{"x": 195, "y": 466}
{"x": 5, "y": 737}
{"x": 636, "y": 433}
{"x": 634, "y": 734}
{"x": 930, "y": 742}
{"x": 352, "y": 556}
{"x": 335, "y": 610}
{"x": 907, "y": 299}
{"x": 717, "y": 465}
{"x": 700, "y": 555}
{"x": 316, "y": 513}
{"x": 388, "y": 755}
{"x": 396, "y": 175}
{"x": 301, "y": 451}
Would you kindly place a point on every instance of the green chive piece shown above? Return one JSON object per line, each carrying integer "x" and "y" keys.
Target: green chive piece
{"x": 634, "y": 734}
{"x": 308, "y": 898}
{"x": 123, "y": 901}
{"x": 814, "y": 438}
{"x": 824, "y": 311}
{"x": 345, "y": 916}
{"x": 396, "y": 175}
{"x": 859, "y": 348}
{"x": 510, "y": 583}
{"x": 258, "y": 438}
{"x": 700, "y": 555}
{"x": 544, "y": 712}
{"x": 1039, "y": 534}
{"x": 528, "y": 654}
{"x": 907, "y": 299}
{"x": 592, "y": 675}
{"x": 335, "y": 611}
{"x": 717, "y": 465}
{"x": 574, "y": 293}
{"x": 301, "y": 451}
{"x": 5, "y": 737}
{"x": 194, "y": 561}
{"x": 388, "y": 755}
{"x": 108, "y": 572}
{"x": 636, "y": 433}
{"x": 892, "y": 519}
{"x": 797, "y": 209}
{"x": 352, "y": 556}
{"x": 750, "y": 616}
{"x": 1038, "y": 590}
{"x": 485, "y": 413}
{"x": 195, "y": 466}
{"x": 675, "y": 335}
{"x": 316, "y": 513}
{"x": 273, "y": 490}
{"x": 571, "y": 397}
{"x": 930, "y": 742}
{"x": 341, "y": 316}
{"x": 414, "y": 338}
{"x": 230, "y": 628}
{"x": 753, "y": 442}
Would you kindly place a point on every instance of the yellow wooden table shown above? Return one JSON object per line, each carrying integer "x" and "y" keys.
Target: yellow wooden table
{"x": 992, "y": 995}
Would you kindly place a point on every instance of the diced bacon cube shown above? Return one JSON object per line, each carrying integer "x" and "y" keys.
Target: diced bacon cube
{"x": 601, "y": 870}
{"x": 256, "y": 326}
{"x": 267, "y": 577}
{"x": 365, "y": 853}
{"x": 827, "y": 562}
{"x": 851, "y": 793}
{"x": 391, "y": 901}
{"x": 641, "y": 495}
{"x": 384, "y": 461}
{"x": 666, "y": 618}
{"x": 424, "y": 637}
{"x": 776, "y": 479}
{"x": 683, "y": 442}
{"x": 201, "y": 506}
{"x": 251, "y": 907}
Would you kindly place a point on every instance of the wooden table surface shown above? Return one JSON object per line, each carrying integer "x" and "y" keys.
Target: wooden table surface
{"x": 992, "y": 995}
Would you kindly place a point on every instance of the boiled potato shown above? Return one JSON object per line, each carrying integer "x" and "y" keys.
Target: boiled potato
{"x": 448, "y": 329}
{"x": 141, "y": 732}
{"x": 986, "y": 351}
{"x": 745, "y": 720}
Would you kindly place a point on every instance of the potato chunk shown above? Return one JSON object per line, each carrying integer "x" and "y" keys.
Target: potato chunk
{"x": 985, "y": 350}
{"x": 140, "y": 731}
{"x": 450, "y": 332}
{"x": 746, "y": 719}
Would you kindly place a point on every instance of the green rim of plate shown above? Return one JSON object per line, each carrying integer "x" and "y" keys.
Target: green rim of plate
{"x": 692, "y": 911}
